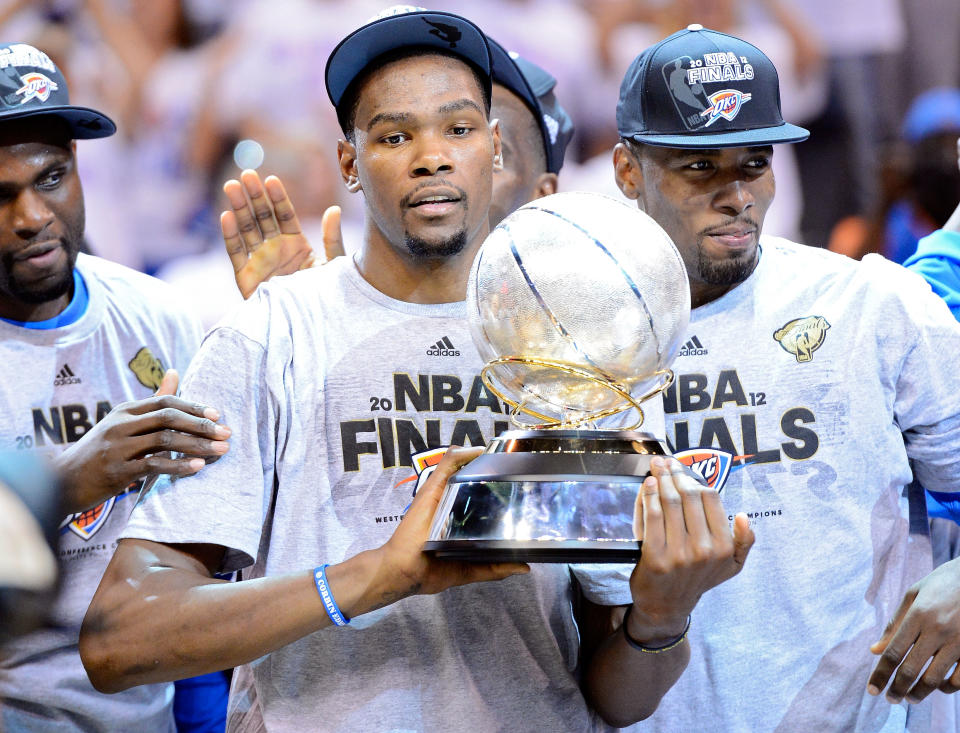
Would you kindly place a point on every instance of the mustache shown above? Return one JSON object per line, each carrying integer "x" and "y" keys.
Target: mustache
{"x": 405, "y": 201}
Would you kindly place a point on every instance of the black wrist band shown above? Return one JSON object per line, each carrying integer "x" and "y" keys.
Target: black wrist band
{"x": 677, "y": 641}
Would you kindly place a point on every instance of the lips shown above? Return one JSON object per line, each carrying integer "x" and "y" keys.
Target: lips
{"x": 35, "y": 251}
{"x": 433, "y": 201}
{"x": 734, "y": 235}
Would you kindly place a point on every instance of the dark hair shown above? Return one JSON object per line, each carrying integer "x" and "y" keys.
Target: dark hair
{"x": 634, "y": 147}
{"x": 347, "y": 109}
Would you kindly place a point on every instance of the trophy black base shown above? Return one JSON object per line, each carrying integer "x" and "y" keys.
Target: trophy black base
{"x": 565, "y": 551}
{"x": 546, "y": 496}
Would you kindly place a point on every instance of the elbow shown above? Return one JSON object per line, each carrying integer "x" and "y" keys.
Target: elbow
{"x": 620, "y": 721}
{"x": 97, "y": 657}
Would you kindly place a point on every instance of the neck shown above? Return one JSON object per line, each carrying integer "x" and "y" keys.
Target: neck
{"x": 416, "y": 279}
{"x": 703, "y": 293}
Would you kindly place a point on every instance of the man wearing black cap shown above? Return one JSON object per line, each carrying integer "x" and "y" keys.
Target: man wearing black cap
{"x": 78, "y": 336}
{"x": 333, "y": 378}
{"x": 263, "y": 238}
{"x": 809, "y": 387}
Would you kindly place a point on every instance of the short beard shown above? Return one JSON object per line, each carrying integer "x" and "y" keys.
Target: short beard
{"x": 730, "y": 272}
{"x": 34, "y": 294}
{"x": 37, "y": 297}
{"x": 725, "y": 272}
{"x": 421, "y": 249}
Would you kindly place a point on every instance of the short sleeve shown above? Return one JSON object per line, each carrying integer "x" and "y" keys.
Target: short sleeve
{"x": 604, "y": 584}
{"x": 927, "y": 391}
{"x": 225, "y": 503}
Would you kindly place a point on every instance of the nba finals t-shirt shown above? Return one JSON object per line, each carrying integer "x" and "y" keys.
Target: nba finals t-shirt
{"x": 340, "y": 398}
{"x": 64, "y": 380}
{"x": 803, "y": 396}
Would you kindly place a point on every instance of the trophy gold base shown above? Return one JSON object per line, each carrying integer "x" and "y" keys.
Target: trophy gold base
{"x": 546, "y": 496}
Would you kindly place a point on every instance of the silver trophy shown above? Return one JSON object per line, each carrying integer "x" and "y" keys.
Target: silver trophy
{"x": 577, "y": 303}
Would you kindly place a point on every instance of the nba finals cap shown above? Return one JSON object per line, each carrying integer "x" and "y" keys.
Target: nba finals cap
{"x": 702, "y": 89}
{"x": 399, "y": 27}
{"x": 32, "y": 86}
{"x": 535, "y": 87}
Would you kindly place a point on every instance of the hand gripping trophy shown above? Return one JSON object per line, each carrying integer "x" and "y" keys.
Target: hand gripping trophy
{"x": 578, "y": 304}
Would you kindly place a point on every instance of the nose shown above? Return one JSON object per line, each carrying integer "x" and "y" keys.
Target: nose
{"x": 431, "y": 156}
{"x": 31, "y": 215}
{"x": 734, "y": 198}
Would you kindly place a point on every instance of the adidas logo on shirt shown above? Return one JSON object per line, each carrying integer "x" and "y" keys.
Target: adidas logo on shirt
{"x": 693, "y": 347}
{"x": 443, "y": 347}
{"x": 65, "y": 376}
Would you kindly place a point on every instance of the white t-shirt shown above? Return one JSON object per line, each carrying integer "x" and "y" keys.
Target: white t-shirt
{"x": 331, "y": 392}
{"x": 62, "y": 381}
{"x": 801, "y": 394}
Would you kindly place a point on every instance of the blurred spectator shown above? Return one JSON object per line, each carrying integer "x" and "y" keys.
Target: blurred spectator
{"x": 863, "y": 42}
{"x": 919, "y": 183}
{"x": 169, "y": 70}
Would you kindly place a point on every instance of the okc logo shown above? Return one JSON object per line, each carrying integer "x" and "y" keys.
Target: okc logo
{"x": 36, "y": 86}
{"x": 712, "y": 465}
{"x": 424, "y": 463}
{"x": 725, "y": 104}
{"x": 86, "y": 524}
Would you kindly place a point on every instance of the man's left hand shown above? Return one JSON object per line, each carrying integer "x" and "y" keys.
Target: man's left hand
{"x": 688, "y": 548}
{"x": 925, "y": 628}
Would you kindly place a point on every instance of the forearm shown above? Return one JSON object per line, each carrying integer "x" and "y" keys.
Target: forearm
{"x": 624, "y": 684}
{"x": 169, "y": 622}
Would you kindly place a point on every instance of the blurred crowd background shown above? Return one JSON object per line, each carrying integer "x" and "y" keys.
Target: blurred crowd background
{"x": 203, "y": 88}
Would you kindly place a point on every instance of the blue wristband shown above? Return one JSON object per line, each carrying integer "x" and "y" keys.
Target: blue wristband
{"x": 333, "y": 611}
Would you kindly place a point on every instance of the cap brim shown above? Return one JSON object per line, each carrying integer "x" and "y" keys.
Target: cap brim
{"x": 84, "y": 123}
{"x": 358, "y": 50}
{"x": 785, "y": 133}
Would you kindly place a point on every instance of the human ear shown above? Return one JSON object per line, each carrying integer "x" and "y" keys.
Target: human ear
{"x": 347, "y": 162}
{"x": 626, "y": 169}
{"x": 545, "y": 185}
{"x": 497, "y": 147}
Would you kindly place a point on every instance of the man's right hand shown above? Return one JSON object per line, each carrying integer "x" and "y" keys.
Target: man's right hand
{"x": 406, "y": 569}
{"x": 262, "y": 233}
{"x": 134, "y": 440}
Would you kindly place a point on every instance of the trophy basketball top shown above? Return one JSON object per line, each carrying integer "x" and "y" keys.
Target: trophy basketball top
{"x": 578, "y": 303}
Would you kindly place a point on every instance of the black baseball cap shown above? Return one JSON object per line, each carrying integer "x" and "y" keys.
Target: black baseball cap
{"x": 703, "y": 89}
{"x": 403, "y": 27}
{"x": 31, "y": 85}
{"x": 535, "y": 87}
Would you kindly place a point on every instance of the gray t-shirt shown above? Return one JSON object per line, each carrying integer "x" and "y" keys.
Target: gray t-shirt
{"x": 335, "y": 394}
{"x": 801, "y": 394}
{"x": 64, "y": 380}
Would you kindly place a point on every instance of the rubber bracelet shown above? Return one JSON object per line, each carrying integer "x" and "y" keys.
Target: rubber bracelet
{"x": 675, "y": 642}
{"x": 333, "y": 610}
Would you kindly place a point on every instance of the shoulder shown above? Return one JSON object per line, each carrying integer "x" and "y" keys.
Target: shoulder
{"x": 819, "y": 268}
{"x": 129, "y": 288}
{"x": 285, "y": 306}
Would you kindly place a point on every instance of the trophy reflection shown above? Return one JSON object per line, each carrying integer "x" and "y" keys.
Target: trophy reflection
{"x": 577, "y": 303}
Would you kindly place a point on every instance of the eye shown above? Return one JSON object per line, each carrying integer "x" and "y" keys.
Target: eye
{"x": 460, "y": 130}
{"x": 758, "y": 164}
{"x": 52, "y": 180}
{"x": 699, "y": 165}
{"x": 395, "y": 138}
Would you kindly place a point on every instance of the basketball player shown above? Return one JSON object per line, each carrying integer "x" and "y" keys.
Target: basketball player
{"x": 84, "y": 343}
{"x": 262, "y": 234}
{"x": 326, "y": 379}
{"x": 809, "y": 386}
